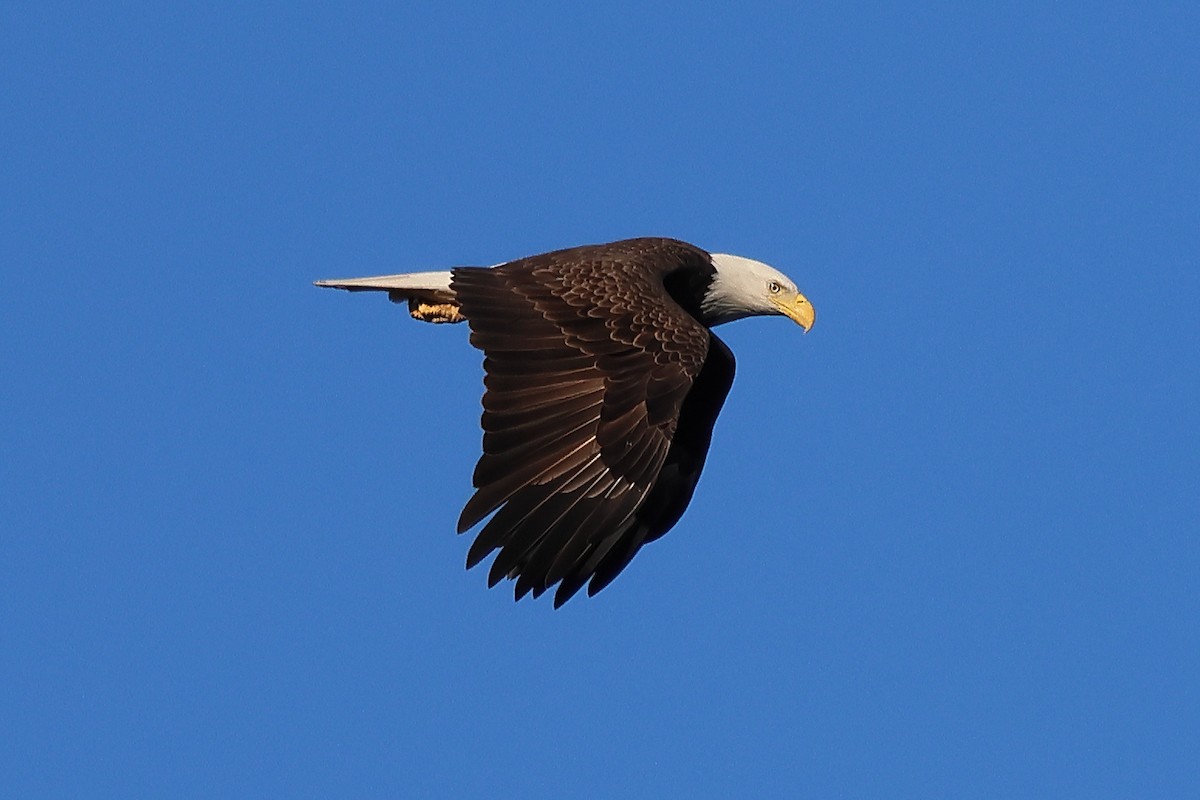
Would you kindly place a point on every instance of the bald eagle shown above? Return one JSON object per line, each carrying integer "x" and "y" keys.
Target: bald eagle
{"x": 603, "y": 382}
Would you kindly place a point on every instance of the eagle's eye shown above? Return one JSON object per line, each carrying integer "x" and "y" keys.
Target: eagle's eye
{"x": 774, "y": 288}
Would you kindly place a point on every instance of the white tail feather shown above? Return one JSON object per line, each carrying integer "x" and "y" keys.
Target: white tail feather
{"x": 427, "y": 281}
{"x": 428, "y": 294}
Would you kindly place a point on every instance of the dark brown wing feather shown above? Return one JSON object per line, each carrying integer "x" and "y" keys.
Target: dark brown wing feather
{"x": 588, "y": 365}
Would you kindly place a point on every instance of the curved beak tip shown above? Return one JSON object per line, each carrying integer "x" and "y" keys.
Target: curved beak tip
{"x": 800, "y": 311}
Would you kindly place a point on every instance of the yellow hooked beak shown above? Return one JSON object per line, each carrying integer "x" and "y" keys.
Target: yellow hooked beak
{"x": 798, "y": 309}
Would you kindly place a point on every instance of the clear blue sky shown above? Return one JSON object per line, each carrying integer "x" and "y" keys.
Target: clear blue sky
{"x": 946, "y": 545}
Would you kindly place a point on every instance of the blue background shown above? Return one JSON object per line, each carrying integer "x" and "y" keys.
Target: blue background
{"x": 946, "y": 544}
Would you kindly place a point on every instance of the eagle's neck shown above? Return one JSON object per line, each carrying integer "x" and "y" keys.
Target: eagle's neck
{"x": 690, "y": 287}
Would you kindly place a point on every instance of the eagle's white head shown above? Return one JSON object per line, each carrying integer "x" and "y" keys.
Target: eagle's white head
{"x": 743, "y": 287}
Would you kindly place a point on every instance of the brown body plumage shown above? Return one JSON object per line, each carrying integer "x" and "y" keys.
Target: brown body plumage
{"x": 589, "y": 370}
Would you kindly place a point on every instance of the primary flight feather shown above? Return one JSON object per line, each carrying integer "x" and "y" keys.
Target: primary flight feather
{"x": 603, "y": 381}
